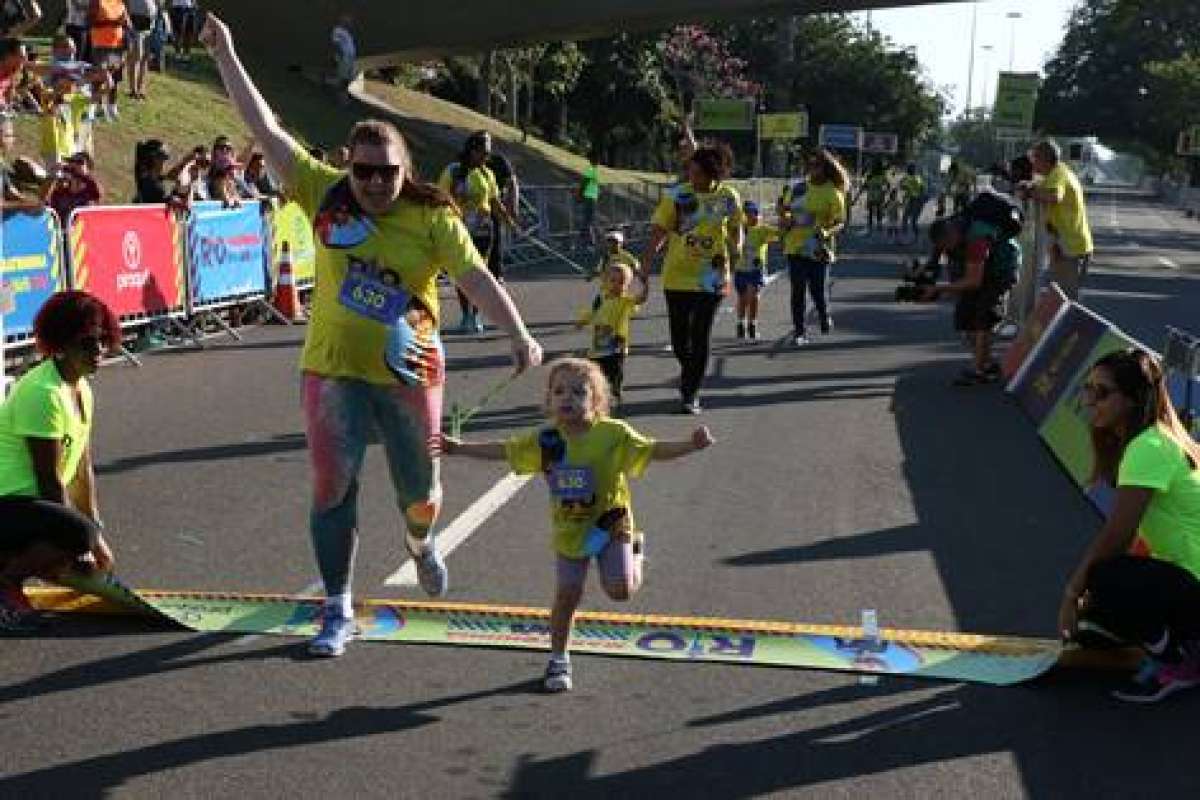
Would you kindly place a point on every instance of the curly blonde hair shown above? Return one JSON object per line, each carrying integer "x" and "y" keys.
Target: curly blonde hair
{"x": 590, "y": 372}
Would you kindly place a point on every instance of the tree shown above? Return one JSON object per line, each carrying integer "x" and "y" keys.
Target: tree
{"x": 700, "y": 64}
{"x": 1122, "y": 71}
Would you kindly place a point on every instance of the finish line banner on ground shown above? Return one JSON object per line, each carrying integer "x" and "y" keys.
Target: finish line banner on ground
{"x": 950, "y": 656}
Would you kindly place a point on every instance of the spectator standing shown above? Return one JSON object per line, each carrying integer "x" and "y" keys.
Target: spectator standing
{"x": 185, "y": 22}
{"x": 257, "y": 175}
{"x": 109, "y": 22}
{"x": 142, "y": 14}
{"x": 510, "y": 199}
{"x": 225, "y": 182}
{"x": 64, "y": 108}
{"x": 589, "y": 196}
{"x": 12, "y": 61}
{"x": 18, "y": 16}
{"x": 345, "y": 54}
{"x": 1066, "y": 217}
{"x": 73, "y": 187}
{"x": 77, "y": 22}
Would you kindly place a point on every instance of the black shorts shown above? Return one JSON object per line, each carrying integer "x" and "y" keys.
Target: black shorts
{"x": 980, "y": 310}
{"x": 26, "y": 521}
{"x": 183, "y": 22}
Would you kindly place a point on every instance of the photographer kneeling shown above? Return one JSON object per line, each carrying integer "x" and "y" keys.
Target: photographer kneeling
{"x": 980, "y": 244}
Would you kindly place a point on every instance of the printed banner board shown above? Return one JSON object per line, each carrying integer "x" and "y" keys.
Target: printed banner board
{"x": 227, "y": 254}
{"x": 31, "y": 267}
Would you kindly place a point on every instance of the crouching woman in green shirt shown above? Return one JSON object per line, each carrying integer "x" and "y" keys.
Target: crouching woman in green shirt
{"x": 1142, "y": 449}
{"x": 48, "y": 515}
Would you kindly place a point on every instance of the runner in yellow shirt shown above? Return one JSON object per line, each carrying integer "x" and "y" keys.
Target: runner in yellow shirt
{"x": 587, "y": 459}
{"x": 372, "y": 358}
{"x": 474, "y": 189}
{"x": 812, "y": 218}
{"x": 1066, "y": 217}
{"x": 912, "y": 187}
{"x": 700, "y": 222}
{"x": 610, "y": 324}
{"x": 750, "y": 276}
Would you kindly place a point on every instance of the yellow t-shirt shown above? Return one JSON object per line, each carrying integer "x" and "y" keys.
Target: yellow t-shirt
{"x": 59, "y": 126}
{"x": 912, "y": 187}
{"x": 590, "y": 480}
{"x": 819, "y": 209}
{"x": 610, "y": 325}
{"x": 474, "y": 192}
{"x": 1067, "y": 219}
{"x": 758, "y": 238}
{"x": 42, "y": 406}
{"x": 367, "y": 265}
{"x": 697, "y": 251}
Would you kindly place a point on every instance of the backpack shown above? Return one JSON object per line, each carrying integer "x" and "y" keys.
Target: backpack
{"x": 998, "y": 210}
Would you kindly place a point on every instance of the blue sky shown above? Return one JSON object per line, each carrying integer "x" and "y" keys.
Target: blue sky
{"x": 942, "y": 36}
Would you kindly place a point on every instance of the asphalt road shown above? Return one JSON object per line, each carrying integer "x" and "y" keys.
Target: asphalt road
{"x": 848, "y": 475}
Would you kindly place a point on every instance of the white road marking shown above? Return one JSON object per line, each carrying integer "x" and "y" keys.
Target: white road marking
{"x": 469, "y": 521}
{"x": 1168, "y": 263}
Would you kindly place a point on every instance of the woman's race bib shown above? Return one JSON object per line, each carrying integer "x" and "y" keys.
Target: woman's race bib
{"x": 373, "y": 296}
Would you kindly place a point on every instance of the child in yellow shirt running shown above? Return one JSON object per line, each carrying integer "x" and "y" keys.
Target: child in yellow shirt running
{"x": 610, "y": 323}
{"x": 751, "y": 274}
{"x": 586, "y": 457}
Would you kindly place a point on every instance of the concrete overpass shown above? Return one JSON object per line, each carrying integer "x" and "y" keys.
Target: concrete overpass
{"x": 393, "y": 31}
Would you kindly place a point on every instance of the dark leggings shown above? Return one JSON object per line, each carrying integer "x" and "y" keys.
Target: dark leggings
{"x": 811, "y": 276}
{"x": 691, "y": 315}
{"x": 1145, "y": 601}
{"x": 613, "y": 368}
{"x": 483, "y": 243}
{"x": 27, "y": 521}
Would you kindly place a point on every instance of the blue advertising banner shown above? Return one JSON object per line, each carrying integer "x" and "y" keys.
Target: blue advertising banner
{"x": 30, "y": 266}
{"x": 841, "y": 137}
{"x": 1058, "y": 358}
{"x": 227, "y": 254}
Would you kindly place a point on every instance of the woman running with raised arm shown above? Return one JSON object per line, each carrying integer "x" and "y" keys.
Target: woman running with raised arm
{"x": 372, "y": 357}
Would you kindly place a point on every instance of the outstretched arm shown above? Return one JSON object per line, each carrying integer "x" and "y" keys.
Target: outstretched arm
{"x": 489, "y": 451}
{"x": 278, "y": 146}
{"x": 668, "y": 450}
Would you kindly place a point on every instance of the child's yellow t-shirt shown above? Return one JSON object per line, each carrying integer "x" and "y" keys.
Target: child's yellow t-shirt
{"x": 758, "y": 237}
{"x": 591, "y": 478}
{"x": 610, "y": 325}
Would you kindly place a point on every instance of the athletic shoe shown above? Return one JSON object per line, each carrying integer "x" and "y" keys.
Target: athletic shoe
{"x": 1165, "y": 680}
{"x": 558, "y": 676}
{"x": 752, "y": 331}
{"x": 799, "y": 340}
{"x": 431, "y": 572}
{"x": 477, "y": 321}
{"x": 690, "y": 406}
{"x": 336, "y": 631}
{"x": 741, "y": 330}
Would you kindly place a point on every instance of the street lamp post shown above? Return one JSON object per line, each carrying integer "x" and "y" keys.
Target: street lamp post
{"x": 1013, "y": 16}
{"x": 987, "y": 74}
{"x": 971, "y": 61}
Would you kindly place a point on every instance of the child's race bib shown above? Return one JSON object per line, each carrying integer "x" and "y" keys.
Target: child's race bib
{"x": 572, "y": 484}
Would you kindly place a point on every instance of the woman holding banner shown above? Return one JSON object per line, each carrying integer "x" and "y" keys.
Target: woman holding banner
{"x": 372, "y": 357}
{"x": 48, "y": 511}
{"x": 1140, "y": 446}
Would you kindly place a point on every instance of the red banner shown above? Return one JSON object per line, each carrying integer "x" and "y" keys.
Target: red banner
{"x": 131, "y": 257}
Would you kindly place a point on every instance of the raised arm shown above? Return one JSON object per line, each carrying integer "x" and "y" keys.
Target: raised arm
{"x": 278, "y": 146}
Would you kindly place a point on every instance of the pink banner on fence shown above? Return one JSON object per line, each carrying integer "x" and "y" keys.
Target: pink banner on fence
{"x": 131, "y": 257}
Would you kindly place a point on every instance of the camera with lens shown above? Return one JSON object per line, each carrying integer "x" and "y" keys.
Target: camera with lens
{"x": 916, "y": 279}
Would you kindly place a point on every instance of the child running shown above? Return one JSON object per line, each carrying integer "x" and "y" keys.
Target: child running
{"x": 609, "y": 319}
{"x": 751, "y": 274}
{"x": 586, "y": 457}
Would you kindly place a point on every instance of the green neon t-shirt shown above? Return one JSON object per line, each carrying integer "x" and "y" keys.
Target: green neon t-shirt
{"x": 42, "y": 406}
{"x": 1171, "y": 524}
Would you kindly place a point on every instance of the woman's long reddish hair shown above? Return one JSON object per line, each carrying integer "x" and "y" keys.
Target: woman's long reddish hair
{"x": 66, "y": 315}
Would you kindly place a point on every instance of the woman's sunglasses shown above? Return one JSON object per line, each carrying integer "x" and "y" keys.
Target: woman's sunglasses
{"x": 386, "y": 172}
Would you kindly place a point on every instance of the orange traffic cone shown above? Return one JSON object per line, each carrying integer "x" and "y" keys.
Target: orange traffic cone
{"x": 287, "y": 299}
